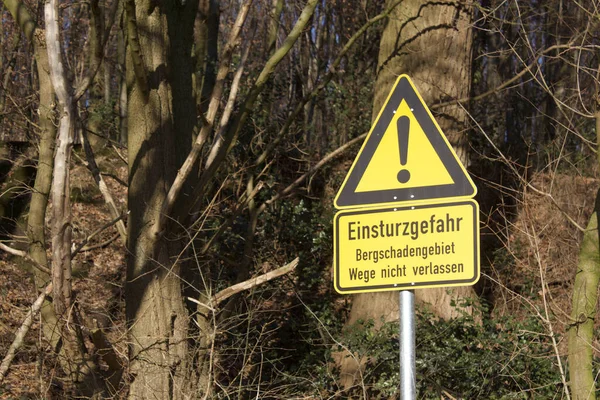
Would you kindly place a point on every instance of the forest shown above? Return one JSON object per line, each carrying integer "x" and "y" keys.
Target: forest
{"x": 169, "y": 170}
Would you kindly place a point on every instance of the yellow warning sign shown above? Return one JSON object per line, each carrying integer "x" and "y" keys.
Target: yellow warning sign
{"x": 420, "y": 246}
{"x": 405, "y": 157}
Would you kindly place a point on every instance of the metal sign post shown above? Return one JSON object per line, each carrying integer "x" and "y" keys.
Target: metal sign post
{"x": 407, "y": 345}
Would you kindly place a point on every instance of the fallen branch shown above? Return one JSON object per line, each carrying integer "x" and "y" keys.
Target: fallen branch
{"x": 21, "y": 253}
{"x": 81, "y": 246}
{"x": 13, "y": 251}
{"x": 20, "y": 336}
{"x": 253, "y": 282}
{"x": 249, "y": 284}
{"x": 102, "y": 244}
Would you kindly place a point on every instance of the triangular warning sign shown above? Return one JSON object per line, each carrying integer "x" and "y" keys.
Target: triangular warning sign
{"x": 405, "y": 157}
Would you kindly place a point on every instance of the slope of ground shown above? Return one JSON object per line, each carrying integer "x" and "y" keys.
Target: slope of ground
{"x": 537, "y": 265}
{"x": 99, "y": 274}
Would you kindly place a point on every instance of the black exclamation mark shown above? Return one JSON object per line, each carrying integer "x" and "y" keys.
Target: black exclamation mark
{"x": 403, "y": 124}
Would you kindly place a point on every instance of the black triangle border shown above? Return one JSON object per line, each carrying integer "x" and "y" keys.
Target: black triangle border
{"x": 462, "y": 186}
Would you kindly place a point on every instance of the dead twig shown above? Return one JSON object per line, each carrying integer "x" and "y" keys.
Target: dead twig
{"x": 108, "y": 198}
{"x": 101, "y": 245}
{"x": 249, "y": 284}
{"x": 253, "y": 282}
{"x": 22, "y": 331}
{"x": 95, "y": 233}
{"x": 21, "y": 253}
{"x": 13, "y": 251}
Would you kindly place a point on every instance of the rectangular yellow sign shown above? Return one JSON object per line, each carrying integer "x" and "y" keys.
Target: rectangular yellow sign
{"x": 396, "y": 248}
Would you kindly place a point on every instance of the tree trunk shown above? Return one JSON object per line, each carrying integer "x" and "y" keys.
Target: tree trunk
{"x": 206, "y": 52}
{"x": 583, "y": 313}
{"x": 431, "y": 42}
{"x": 41, "y": 187}
{"x": 97, "y": 100}
{"x": 585, "y": 301}
{"x": 43, "y": 181}
{"x": 122, "y": 98}
{"x": 61, "y": 207}
{"x": 76, "y": 367}
{"x": 161, "y": 117}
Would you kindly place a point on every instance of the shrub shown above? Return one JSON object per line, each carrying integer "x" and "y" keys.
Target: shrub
{"x": 499, "y": 358}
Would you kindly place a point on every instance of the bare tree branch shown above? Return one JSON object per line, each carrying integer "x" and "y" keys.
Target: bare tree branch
{"x": 96, "y": 232}
{"x": 13, "y": 251}
{"x": 218, "y": 152}
{"x": 253, "y": 282}
{"x": 523, "y": 181}
{"x": 220, "y": 149}
{"x": 22, "y": 331}
{"x": 192, "y": 158}
{"x": 26, "y": 256}
{"x": 314, "y": 168}
{"x": 108, "y": 198}
{"x": 332, "y": 72}
{"x": 249, "y": 284}
{"x": 98, "y": 39}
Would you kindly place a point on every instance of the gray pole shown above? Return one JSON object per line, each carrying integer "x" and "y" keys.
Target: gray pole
{"x": 407, "y": 346}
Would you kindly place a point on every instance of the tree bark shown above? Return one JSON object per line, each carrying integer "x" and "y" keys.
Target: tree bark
{"x": 43, "y": 181}
{"x": 206, "y": 52}
{"x": 161, "y": 118}
{"x": 275, "y": 15}
{"x": 583, "y": 313}
{"x": 61, "y": 215}
{"x": 584, "y": 304}
{"x": 122, "y": 99}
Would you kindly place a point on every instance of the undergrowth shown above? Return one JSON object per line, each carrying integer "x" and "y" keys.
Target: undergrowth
{"x": 464, "y": 358}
